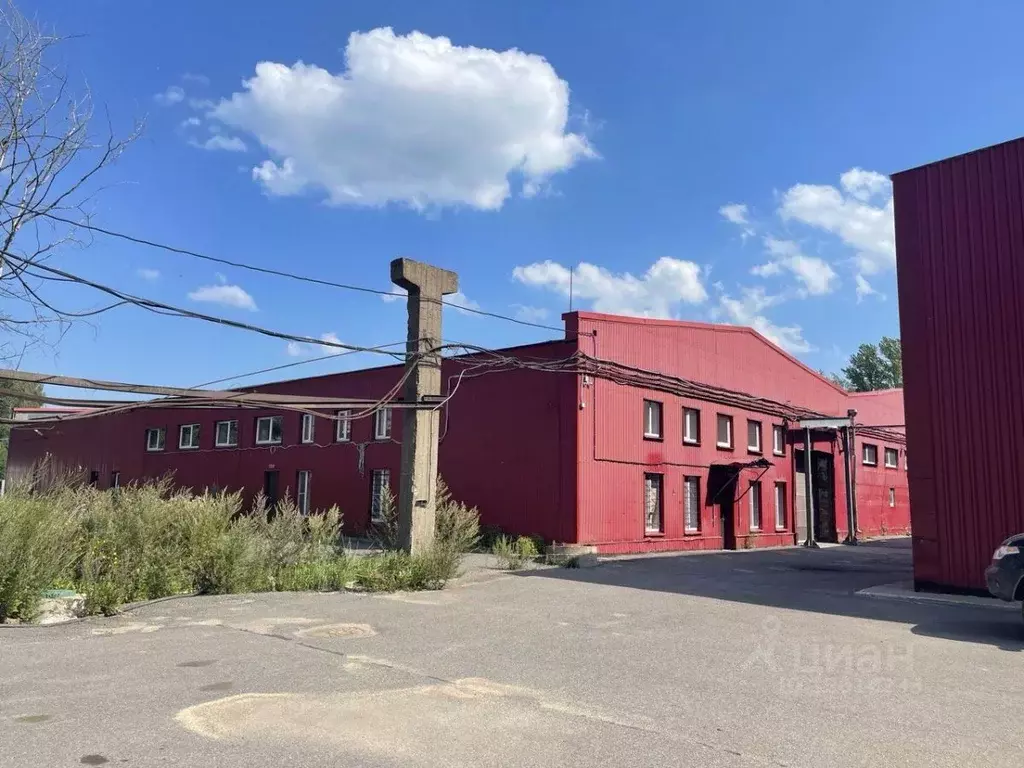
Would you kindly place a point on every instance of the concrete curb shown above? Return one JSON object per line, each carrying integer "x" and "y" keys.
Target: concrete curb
{"x": 904, "y": 590}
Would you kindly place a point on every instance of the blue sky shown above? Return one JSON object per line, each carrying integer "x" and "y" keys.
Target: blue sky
{"x": 709, "y": 161}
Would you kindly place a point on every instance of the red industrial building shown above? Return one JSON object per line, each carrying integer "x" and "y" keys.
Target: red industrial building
{"x": 628, "y": 435}
{"x": 960, "y": 267}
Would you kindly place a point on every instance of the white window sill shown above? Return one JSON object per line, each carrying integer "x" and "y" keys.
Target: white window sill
{"x": 690, "y": 441}
{"x": 724, "y": 445}
{"x": 778, "y": 453}
{"x": 225, "y": 445}
{"x": 154, "y": 450}
{"x": 268, "y": 442}
{"x": 188, "y": 447}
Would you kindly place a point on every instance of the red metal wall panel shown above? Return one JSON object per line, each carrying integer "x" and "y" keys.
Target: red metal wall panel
{"x": 614, "y": 456}
{"x": 960, "y": 265}
{"x": 508, "y": 446}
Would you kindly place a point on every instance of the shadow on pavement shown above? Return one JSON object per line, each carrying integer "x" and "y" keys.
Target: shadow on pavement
{"x": 822, "y": 580}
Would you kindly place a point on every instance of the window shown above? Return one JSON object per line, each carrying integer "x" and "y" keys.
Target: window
{"x": 780, "y": 506}
{"x": 870, "y": 454}
{"x": 691, "y": 502}
{"x": 755, "y": 505}
{"x": 904, "y": 459}
{"x": 188, "y": 436}
{"x": 724, "y": 431}
{"x": 778, "y": 440}
{"x": 343, "y": 426}
{"x": 652, "y": 503}
{"x": 115, "y": 479}
{"x": 302, "y": 494}
{"x": 754, "y": 436}
{"x": 652, "y": 419}
{"x": 892, "y": 458}
{"x": 691, "y": 426}
{"x": 381, "y": 484}
{"x": 226, "y": 435}
{"x": 307, "y": 428}
{"x": 268, "y": 430}
{"x": 382, "y": 424}
{"x": 892, "y": 497}
{"x": 155, "y": 438}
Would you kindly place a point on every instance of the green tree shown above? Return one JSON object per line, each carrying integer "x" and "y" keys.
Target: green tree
{"x": 875, "y": 366}
{"x": 7, "y": 405}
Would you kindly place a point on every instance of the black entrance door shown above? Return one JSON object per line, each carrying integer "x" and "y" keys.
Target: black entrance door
{"x": 727, "y": 509}
{"x": 824, "y": 497}
{"x": 270, "y": 478}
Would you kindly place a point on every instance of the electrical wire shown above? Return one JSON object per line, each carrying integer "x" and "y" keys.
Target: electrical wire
{"x": 162, "y": 308}
{"x": 278, "y": 272}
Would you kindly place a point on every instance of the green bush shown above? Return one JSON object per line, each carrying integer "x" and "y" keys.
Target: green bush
{"x": 514, "y": 554}
{"x": 146, "y": 541}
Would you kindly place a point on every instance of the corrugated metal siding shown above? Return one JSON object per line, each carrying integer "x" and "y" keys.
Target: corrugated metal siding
{"x": 613, "y": 454}
{"x": 960, "y": 264}
{"x": 508, "y": 448}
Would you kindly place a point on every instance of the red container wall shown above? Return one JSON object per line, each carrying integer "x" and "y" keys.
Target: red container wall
{"x": 508, "y": 447}
{"x": 960, "y": 265}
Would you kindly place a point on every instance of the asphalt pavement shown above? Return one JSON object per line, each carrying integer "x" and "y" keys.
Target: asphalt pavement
{"x": 743, "y": 659}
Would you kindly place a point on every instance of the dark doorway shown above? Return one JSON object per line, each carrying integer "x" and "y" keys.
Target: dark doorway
{"x": 94, "y": 478}
{"x": 270, "y": 485}
{"x": 722, "y": 491}
{"x": 824, "y": 480}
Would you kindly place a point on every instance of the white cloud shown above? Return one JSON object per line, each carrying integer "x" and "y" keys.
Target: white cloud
{"x": 148, "y": 274}
{"x": 860, "y": 213}
{"x": 737, "y": 213}
{"x": 395, "y": 295}
{"x": 748, "y": 310}
{"x": 174, "y": 94}
{"x": 815, "y": 275}
{"x": 192, "y": 77}
{"x": 295, "y": 349}
{"x": 191, "y": 122}
{"x": 228, "y": 295}
{"x": 864, "y": 289}
{"x": 413, "y": 120}
{"x": 218, "y": 142}
{"x": 461, "y": 302}
{"x": 530, "y": 314}
{"x": 666, "y": 284}
{"x": 332, "y": 338}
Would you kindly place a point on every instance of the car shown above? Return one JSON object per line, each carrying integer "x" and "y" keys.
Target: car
{"x": 1005, "y": 577}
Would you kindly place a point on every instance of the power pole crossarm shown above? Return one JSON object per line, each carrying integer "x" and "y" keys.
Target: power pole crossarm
{"x": 417, "y": 486}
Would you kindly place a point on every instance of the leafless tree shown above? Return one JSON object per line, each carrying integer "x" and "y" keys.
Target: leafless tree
{"x": 49, "y": 161}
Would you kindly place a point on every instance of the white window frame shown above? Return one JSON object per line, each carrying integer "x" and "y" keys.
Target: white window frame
{"x": 115, "y": 479}
{"x": 892, "y": 497}
{"x": 270, "y": 421}
{"x": 727, "y": 420}
{"x": 754, "y": 447}
{"x": 780, "y": 505}
{"x": 653, "y": 431}
{"x": 380, "y": 479}
{"x": 382, "y": 424}
{"x": 778, "y": 440}
{"x": 343, "y": 427}
{"x": 691, "y": 438}
{"x": 308, "y": 428}
{"x": 756, "y": 506}
{"x": 160, "y": 433}
{"x": 193, "y": 434}
{"x": 302, "y": 491}
{"x": 864, "y": 454}
{"x": 886, "y": 453}
{"x": 232, "y": 425}
{"x": 657, "y": 481}
{"x": 688, "y": 484}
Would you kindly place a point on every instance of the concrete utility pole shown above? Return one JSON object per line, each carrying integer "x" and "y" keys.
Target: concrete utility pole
{"x": 418, "y": 485}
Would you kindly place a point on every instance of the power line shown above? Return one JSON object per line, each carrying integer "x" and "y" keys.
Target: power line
{"x": 292, "y": 365}
{"x": 162, "y": 308}
{"x": 278, "y": 272}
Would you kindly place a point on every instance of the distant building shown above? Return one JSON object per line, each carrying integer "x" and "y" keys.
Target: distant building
{"x": 629, "y": 434}
{"x": 960, "y": 267}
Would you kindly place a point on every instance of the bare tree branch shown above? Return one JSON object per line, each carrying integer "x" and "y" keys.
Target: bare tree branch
{"x": 48, "y": 162}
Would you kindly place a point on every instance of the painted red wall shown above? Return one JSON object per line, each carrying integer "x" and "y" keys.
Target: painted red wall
{"x": 960, "y": 268}
{"x": 508, "y": 446}
{"x": 614, "y": 456}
